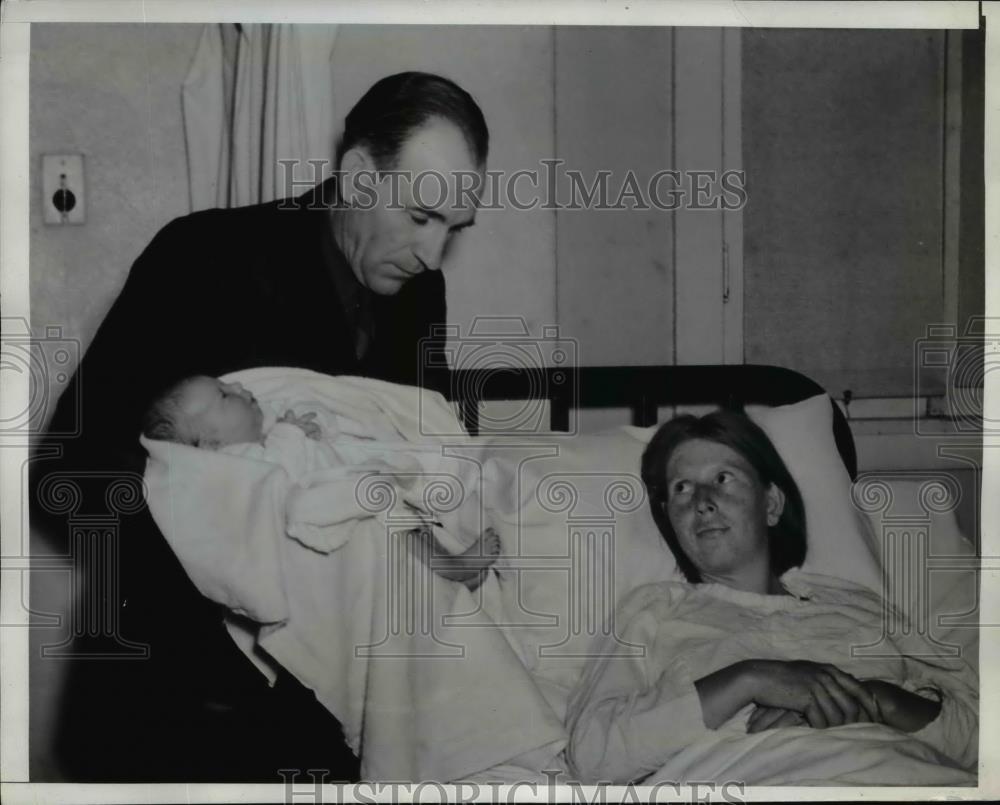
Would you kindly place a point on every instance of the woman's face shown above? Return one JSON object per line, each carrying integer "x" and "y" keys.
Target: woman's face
{"x": 720, "y": 509}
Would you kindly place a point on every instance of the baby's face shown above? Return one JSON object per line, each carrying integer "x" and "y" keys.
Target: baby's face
{"x": 221, "y": 413}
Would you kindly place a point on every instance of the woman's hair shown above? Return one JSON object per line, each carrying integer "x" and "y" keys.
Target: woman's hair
{"x": 734, "y": 429}
{"x": 163, "y": 419}
{"x": 394, "y": 107}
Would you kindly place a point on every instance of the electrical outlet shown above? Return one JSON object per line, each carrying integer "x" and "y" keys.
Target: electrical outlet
{"x": 63, "y": 200}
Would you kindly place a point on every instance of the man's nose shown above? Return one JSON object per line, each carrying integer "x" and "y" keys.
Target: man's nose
{"x": 430, "y": 248}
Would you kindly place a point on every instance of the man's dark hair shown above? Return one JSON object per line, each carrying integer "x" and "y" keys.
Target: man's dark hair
{"x": 394, "y": 107}
{"x": 734, "y": 429}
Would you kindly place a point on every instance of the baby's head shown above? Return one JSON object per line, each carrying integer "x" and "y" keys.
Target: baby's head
{"x": 205, "y": 412}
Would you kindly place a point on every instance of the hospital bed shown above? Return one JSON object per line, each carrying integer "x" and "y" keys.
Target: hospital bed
{"x": 643, "y": 390}
{"x": 578, "y": 537}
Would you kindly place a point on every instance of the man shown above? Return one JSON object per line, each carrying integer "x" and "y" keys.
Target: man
{"x": 343, "y": 280}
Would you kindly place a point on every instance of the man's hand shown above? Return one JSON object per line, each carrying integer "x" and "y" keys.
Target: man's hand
{"x": 823, "y": 694}
{"x": 310, "y": 428}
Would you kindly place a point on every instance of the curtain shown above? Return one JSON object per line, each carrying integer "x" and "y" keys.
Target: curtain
{"x": 256, "y": 96}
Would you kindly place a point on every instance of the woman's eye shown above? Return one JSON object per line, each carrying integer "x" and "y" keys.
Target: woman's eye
{"x": 419, "y": 218}
{"x": 724, "y": 477}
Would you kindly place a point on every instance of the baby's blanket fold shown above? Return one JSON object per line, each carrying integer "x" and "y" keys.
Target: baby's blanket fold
{"x": 220, "y": 511}
{"x": 424, "y": 683}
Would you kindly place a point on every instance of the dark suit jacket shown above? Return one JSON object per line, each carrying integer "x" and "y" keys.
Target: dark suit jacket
{"x": 214, "y": 292}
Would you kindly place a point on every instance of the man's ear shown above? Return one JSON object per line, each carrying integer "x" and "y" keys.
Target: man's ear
{"x": 775, "y": 504}
{"x": 357, "y": 170}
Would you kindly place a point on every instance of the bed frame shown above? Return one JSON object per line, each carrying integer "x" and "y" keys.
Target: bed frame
{"x": 643, "y": 389}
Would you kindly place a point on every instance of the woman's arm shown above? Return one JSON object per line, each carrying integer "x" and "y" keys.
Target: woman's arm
{"x": 951, "y": 685}
{"x": 634, "y": 706}
{"x": 725, "y": 692}
{"x": 637, "y": 713}
{"x": 822, "y": 693}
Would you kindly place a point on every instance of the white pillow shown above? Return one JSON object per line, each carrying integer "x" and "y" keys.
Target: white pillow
{"x": 931, "y": 571}
{"x": 591, "y": 482}
{"x": 839, "y": 543}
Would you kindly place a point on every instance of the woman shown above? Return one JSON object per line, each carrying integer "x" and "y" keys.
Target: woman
{"x": 696, "y": 677}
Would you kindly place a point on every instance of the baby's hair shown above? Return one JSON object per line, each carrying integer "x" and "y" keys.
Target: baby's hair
{"x": 162, "y": 420}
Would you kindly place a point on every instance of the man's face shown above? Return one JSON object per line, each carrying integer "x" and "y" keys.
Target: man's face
{"x": 387, "y": 247}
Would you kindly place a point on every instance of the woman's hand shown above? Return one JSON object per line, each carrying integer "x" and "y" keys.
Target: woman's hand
{"x": 906, "y": 711}
{"x": 770, "y": 718}
{"x": 822, "y": 693}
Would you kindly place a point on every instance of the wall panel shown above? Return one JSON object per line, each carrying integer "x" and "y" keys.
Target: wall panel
{"x": 615, "y": 267}
{"x": 842, "y": 134}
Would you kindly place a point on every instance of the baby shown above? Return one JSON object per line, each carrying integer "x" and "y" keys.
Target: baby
{"x": 205, "y": 412}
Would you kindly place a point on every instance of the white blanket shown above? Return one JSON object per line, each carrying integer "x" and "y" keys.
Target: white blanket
{"x": 425, "y": 685}
{"x": 852, "y": 755}
{"x": 637, "y": 711}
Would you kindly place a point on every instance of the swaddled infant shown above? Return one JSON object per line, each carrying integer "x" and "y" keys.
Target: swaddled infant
{"x": 205, "y": 412}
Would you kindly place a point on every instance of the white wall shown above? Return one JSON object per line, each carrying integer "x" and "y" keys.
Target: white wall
{"x": 844, "y": 233}
{"x": 843, "y": 227}
{"x": 112, "y": 93}
{"x": 615, "y": 267}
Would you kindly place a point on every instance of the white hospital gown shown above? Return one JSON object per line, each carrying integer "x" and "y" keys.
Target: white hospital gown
{"x": 633, "y": 712}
